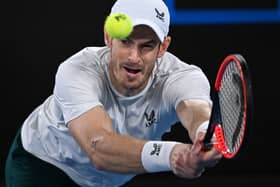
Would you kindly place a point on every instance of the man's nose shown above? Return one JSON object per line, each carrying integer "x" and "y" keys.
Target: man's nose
{"x": 134, "y": 54}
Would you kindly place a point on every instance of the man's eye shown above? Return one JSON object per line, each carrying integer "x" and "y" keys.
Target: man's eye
{"x": 148, "y": 46}
{"x": 125, "y": 41}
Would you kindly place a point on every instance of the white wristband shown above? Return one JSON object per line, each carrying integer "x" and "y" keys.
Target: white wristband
{"x": 155, "y": 155}
{"x": 202, "y": 127}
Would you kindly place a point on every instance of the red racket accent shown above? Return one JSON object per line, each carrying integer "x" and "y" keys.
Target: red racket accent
{"x": 220, "y": 145}
{"x": 221, "y": 142}
{"x": 232, "y": 106}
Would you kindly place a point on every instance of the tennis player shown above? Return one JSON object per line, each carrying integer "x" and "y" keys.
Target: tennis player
{"x": 109, "y": 109}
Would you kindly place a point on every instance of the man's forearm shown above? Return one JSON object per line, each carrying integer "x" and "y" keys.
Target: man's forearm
{"x": 117, "y": 153}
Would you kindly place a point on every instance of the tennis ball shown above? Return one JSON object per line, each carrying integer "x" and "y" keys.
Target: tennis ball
{"x": 118, "y": 25}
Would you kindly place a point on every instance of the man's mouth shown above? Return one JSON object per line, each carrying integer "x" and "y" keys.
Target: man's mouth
{"x": 132, "y": 70}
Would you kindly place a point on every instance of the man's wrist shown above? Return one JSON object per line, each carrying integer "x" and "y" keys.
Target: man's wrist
{"x": 155, "y": 155}
{"x": 202, "y": 127}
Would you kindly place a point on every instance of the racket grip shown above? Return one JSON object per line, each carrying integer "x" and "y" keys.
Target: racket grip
{"x": 209, "y": 134}
{"x": 208, "y": 146}
{"x": 215, "y": 118}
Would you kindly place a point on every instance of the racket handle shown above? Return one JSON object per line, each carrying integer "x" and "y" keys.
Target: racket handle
{"x": 215, "y": 118}
{"x": 208, "y": 146}
{"x": 209, "y": 134}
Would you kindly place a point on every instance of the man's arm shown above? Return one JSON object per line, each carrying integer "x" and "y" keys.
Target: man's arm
{"x": 119, "y": 153}
{"x": 189, "y": 161}
{"x": 107, "y": 150}
{"x": 192, "y": 113}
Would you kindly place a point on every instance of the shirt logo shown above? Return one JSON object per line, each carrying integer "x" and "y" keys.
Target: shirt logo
{"x": 150, "y": 118}
{"x": 157, "y": 148}
{"x": 160, "y": 15}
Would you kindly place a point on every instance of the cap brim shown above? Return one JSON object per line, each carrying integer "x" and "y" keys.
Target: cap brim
{"x": 152, "y": 25}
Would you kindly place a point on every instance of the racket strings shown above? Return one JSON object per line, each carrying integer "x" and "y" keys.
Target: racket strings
{"x": 232, "y": 108}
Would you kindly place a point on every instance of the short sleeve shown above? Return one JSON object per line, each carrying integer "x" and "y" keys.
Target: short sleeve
{"x": 77, "y": 89}
{"x": 186, "y": 84}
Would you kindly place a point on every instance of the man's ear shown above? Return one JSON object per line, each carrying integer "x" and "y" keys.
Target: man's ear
{"x": 164, "y": 46}
{"x": 107, "y": 39}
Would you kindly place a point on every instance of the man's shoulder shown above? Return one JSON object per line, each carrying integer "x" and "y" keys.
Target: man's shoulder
{"x": 86, "y": 56}
{"x": 95, "y": 49}
{"x": 172, "y": 63}
{"x": 96, "y": 52}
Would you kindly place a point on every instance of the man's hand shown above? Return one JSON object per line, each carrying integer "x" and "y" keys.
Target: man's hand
{"x": 189, "y": 161}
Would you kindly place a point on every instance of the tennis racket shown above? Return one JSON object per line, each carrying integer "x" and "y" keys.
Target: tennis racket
{"x": 232, "y": 106}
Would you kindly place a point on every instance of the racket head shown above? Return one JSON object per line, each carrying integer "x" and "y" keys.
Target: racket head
{"x": 232, "y": 106}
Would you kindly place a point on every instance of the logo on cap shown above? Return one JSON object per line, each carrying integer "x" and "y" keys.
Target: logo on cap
{"x": 159, "y": 15}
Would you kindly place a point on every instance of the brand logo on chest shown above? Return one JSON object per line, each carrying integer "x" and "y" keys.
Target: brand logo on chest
{"x": 150, "y": 118}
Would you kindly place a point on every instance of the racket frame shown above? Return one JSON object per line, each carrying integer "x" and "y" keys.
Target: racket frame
{"x": 215, "y": 122}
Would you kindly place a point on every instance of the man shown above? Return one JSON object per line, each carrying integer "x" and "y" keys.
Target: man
{"x": 110, "y": 106}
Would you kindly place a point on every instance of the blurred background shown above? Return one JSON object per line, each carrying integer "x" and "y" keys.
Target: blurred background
{"x": 42, "y": 34}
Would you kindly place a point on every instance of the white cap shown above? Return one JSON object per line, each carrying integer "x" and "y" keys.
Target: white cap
{"x": 153, "y": 13}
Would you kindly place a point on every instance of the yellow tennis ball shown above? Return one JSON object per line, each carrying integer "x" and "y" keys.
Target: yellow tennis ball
{"x": 118, "y": 25}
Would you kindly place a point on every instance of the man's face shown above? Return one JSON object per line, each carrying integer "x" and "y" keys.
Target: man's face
{"x": 133, "y": 60}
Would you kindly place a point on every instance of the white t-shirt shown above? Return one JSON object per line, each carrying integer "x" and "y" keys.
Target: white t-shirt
{"x": 82, "y": 82}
